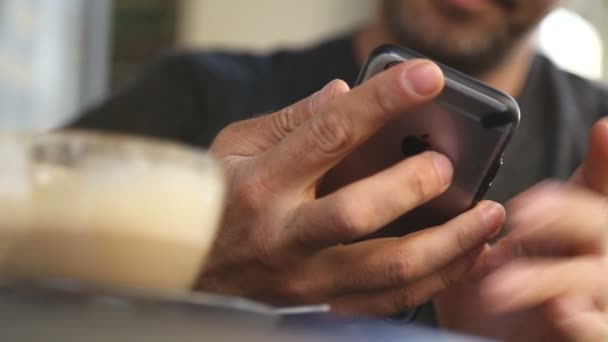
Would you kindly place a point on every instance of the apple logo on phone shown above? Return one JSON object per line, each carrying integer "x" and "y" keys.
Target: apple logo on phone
{"x": 413, "y": 145}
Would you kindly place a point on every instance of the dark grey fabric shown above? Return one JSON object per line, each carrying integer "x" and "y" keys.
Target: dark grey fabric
{"x": 190, "y": 97}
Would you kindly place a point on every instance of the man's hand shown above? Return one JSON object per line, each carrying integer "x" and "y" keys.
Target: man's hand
{"x": 549, "y": 275}
{"x": 281, "y": 244}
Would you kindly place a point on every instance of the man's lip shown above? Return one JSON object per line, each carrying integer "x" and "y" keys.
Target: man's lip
{"x": 468, "y": 5}
{"x": 478, "y": 5}
{"x": 507, "y": 4}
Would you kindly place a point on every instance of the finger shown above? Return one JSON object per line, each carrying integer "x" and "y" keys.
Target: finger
{"x": 523, "y": 285}
{"x": 389, "y": 263}
{"x": 554, "y": 220}
{"x": 586, "y": 327}
{"x": 397, "y": 300}
{"x": 576, "y": 320}
{"x": 280, "y": 124}
{"x": 363, "y": 207}
{"x": 254, "y": 136}
{"x": 319, "y": 144}
{"x": 594, "y": 172}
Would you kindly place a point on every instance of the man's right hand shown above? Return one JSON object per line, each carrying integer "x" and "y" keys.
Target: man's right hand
{"x": 280, "y": 244}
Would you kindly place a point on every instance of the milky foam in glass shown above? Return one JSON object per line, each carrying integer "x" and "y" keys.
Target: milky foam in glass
{"x": 104, "y": 209}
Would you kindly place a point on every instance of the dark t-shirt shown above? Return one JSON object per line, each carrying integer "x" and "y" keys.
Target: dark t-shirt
{"x": 191, "y": 97}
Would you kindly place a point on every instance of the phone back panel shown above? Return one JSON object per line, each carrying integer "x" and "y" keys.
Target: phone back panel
{"x": 469, "y": 122}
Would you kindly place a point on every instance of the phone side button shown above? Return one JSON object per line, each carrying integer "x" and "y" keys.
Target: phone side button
{"x": 488, "y": 181}
{"x": 494, "y": 170}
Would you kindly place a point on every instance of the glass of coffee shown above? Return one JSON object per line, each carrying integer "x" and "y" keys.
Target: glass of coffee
{"x": 107, "y": 210}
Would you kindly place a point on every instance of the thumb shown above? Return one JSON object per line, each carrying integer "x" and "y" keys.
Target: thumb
{"x": 594, "y": 171}
{"x": 254, "y": 136}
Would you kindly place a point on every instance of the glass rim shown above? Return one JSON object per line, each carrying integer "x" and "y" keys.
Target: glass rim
{"x": 47, "y": 147}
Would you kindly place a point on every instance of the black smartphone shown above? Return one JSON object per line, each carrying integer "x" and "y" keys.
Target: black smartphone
{"x": 469, "y": 122}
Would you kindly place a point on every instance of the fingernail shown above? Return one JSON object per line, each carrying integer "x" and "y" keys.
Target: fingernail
{"x": 424, "y": 78}
{"x": 493, "y": 215}
{"x": 444, "y": 168}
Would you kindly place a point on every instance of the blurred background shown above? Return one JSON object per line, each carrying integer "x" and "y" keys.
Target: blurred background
{"x": 58, "y": 57}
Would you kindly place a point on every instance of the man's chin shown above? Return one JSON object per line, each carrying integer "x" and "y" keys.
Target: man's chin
{"x": 474, "y": 44}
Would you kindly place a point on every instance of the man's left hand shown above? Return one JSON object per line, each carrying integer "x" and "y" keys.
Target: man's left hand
{"x": 547, "y": 278}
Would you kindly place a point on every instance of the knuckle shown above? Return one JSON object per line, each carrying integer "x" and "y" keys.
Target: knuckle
{"x": 348, "y": 282}
{"x": 418, "y": 187}
{"x": 224, "y": 135}
{"x": 381, "y": 96}
{"x": 231, "y": 128}
{"x": 313, "y": 102}
{"x": 265, "y": 254}
{"x": 463, "y": 241}
{"x": 405, "y": 300}
{"x": 284, "y": 121}
{"x": 401, "y": 269}
{"x": 291, "y": 290}
{"x": 347, "y": 221}
{"x": 462, "y": 233}
{"x": 446, "y": 279}
{"x": 422, "y": 186}
{"x": 330, "y": 133}
{"x": 250, "y": 191}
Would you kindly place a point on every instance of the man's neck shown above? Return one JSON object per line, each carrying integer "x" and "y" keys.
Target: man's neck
{"x": 510, "y": 76}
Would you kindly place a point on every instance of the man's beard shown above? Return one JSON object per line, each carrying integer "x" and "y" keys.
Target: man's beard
{"x": 475, "y": 54}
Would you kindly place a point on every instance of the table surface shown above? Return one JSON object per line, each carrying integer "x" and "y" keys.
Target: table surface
{"x": 59, "y": 311}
